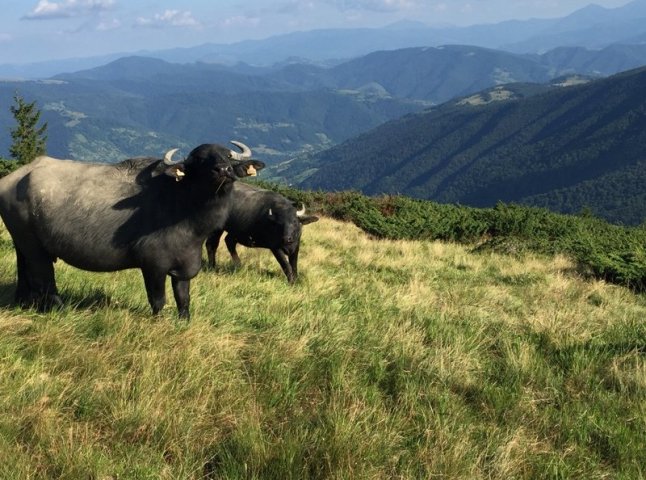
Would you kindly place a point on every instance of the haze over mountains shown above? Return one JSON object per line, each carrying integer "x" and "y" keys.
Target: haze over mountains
{"x": 518, "y": 131}
{"x": 591, "y": 27}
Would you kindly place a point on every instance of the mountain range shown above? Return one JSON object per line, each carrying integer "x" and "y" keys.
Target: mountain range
{"x": 592, "y": 27}
{"x": 568, "y": 148}
{"x": 141, "y": 106}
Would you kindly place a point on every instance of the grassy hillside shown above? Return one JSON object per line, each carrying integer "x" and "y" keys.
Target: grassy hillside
{"x": 389, "y": 359}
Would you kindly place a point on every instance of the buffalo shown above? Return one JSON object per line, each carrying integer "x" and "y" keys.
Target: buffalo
{"x": 264, "y": 219}
{"x": 144, "y": 213}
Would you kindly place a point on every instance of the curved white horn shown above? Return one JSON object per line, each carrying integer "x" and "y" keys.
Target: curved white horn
{"x": 301, "y": 212}
{"x": 168, "y": 158}
{"x": 246, "y": 151}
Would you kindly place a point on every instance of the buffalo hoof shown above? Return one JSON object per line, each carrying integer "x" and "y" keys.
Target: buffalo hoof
{"x": 42, "y": 303}
{"x": 49, "y": 302}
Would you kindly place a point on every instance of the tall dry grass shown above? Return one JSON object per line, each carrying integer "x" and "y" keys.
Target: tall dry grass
{"x": 389, "y": 359}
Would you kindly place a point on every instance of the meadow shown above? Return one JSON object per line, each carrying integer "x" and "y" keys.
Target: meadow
{"x": 389, "y": 359}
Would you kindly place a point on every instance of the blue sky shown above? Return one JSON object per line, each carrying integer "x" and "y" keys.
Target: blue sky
{"x": 36, "y": 30}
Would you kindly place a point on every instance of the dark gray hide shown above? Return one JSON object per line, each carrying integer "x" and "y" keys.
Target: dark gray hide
{"x": 264, "y": 219}
{"x": 142, "y": 213}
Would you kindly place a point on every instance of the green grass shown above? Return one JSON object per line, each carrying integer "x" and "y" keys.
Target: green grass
{"x": 614, "y": 253}
{"x": 389, "y": 359}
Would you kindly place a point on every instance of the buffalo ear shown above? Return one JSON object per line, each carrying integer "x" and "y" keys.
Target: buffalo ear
{"x": 257, "y": 164}
{"x": 305, "y": 219}
{"x": 247, "y": 168}
{"x": 176, "y": 171}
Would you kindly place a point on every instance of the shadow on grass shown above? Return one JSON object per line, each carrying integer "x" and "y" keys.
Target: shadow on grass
{"x": 221, "y": 269}
{"x": 92, "y": 300}
{"x": 7, "y": 295}
{"x": 230, "y": 269}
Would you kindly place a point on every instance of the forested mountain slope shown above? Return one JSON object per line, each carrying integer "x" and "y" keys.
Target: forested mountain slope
{"x": 144, "y": 106}
{"x": 568, "y": 148}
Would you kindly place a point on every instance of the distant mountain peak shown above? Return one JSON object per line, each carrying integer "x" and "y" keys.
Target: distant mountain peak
{"x": 406, "y": 25}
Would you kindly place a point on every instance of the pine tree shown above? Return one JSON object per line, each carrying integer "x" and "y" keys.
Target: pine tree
{"x": 28, "y": 139}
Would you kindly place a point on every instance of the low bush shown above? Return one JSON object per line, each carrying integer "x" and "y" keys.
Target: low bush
{"x": 614, "y": 253}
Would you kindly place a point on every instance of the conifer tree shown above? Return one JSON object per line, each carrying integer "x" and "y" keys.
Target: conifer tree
{"x": 28, "y": 139}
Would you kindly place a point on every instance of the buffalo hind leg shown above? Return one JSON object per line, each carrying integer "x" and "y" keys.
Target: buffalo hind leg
{"x": 212, "y": 246}
{"x": 284, "y": 264}
{"x": 181, "y": 291}
{"x": 231, "y": 242}
{"x": 24, "y": 294}
{"x": 36, "y": 284}
{"x": 156, "y": 289}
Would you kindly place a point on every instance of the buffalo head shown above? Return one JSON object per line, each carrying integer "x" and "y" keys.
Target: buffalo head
{"x": 286, "y": 222}
{"x": 218, "y": 164}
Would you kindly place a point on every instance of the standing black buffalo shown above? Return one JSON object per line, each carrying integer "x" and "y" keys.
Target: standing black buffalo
{"x": 264, "y": 219}
{"x": 141, "y": 213}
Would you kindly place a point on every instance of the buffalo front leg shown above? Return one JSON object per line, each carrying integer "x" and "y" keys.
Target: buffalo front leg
{"x": 181, "y": 291}
{"x": 284, "y": 264}
{"x": 155, "y": 289}
{"x": 293, "y": 262}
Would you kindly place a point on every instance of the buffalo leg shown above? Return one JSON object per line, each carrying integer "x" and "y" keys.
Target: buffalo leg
{"x": 231, "y": 242}
{"x": 293, "y": 262}
{"x": 284, "y": 264}
{"x": 23, "y": 291}
{"x": 36, "y": 285}
{"x": 181, "y": 291}
{"x": 212, "y": 246}
{"x": 156, "y": 290}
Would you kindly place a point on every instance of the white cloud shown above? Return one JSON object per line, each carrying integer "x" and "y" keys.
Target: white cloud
{"x": 288, "y": 7}
{"x": 374, "y": 5}
{"x": 467, "y": 8}
{"x": 169, "y": 18}
{"x": 46, "y": 9}
{"x": 241, "y": 21}
{"x": 107, "y": 25}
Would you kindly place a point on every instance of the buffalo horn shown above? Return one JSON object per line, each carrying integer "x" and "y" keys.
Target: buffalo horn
{"x": 246, "y": 151}
{"x": 301, "y": 212}
{"x": 168, "y": 158}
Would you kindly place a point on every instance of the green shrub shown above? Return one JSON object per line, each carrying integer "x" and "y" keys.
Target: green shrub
{"x": 611, "y": 252}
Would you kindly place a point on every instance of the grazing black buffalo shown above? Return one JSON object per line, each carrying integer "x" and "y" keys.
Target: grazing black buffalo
{"x": 141, "y": 213}
{"x": 264, "y": 219}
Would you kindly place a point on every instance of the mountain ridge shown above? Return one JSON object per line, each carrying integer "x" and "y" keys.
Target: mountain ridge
{"x": 617, "y": 25}
{"x": 534, "y": 150}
